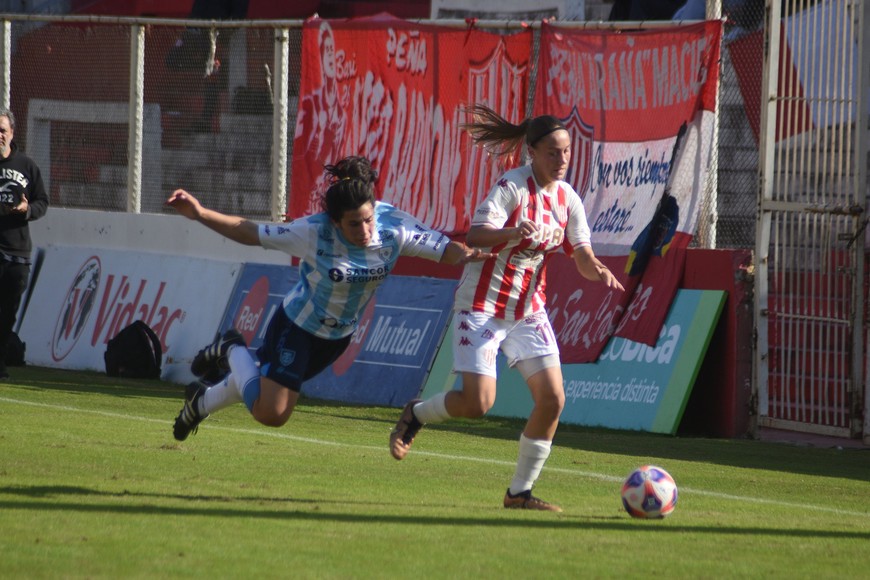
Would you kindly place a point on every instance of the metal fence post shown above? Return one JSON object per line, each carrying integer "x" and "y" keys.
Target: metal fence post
{"x": 280, "y": 101}
{"x": 862, "y": 125}
{"x": 136, "y": 109}
{"x": 6, "y": 65}
{"x": 766, "y": 146}
{"x": 707, "y": 221}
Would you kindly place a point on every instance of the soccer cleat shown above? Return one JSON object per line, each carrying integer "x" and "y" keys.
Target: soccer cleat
{"x": 526, "y": 501}
{"x": 189, "y": 418}
{"x": 404, "y": 432}
{"x": 212, "y": 360}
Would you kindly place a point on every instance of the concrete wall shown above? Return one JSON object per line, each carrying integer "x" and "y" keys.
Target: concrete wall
{"x": 167, "y": 234}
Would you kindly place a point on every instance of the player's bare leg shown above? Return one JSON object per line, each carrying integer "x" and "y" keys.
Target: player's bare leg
{"x": 275, "y": 404}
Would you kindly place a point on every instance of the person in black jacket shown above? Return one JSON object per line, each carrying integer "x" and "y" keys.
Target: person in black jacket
{"x": 22, "y": 199}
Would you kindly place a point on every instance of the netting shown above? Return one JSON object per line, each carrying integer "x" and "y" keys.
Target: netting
{"x": 739, "y": 117}
{"x": 208, "y": 116}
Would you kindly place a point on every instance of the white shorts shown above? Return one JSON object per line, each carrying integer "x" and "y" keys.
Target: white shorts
{"x": 477, "y": 338}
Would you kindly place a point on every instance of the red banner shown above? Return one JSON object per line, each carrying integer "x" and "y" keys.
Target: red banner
{"x": 392, "y": 91}
{"x": 639, "y": 106}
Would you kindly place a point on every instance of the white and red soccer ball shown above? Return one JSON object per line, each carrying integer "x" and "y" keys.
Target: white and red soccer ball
{"x": 649, "y": 492}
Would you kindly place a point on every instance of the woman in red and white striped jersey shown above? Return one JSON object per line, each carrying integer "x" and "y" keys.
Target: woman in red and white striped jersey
{"x": 529, "y": 214}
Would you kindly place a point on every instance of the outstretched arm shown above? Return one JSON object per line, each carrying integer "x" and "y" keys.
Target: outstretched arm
{"x": 235, "y": 228}
{"x": 592, "y": 269}
{"x": 456, "y": 254}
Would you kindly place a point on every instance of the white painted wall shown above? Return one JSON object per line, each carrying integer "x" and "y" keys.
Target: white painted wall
{"x": 167, "y": 234}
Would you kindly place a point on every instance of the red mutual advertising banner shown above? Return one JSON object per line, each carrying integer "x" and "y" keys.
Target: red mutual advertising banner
{"x": 393, "y": 91}
{"x": 640, "y": 109}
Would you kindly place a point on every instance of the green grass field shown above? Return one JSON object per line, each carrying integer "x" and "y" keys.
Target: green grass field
{"x": 92, "y": 485}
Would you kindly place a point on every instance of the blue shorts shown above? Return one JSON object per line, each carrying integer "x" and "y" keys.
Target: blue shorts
{"x": 290, "y": 356}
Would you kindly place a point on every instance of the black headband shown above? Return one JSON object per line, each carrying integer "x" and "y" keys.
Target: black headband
{"x": 540, "y": 127}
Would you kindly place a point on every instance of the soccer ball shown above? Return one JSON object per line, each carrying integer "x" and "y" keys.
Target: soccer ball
{"x": 649, "y": 492}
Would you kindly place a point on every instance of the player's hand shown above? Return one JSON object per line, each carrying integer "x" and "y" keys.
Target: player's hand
{"x": 606, "y": 276}
{"x": 525, "y": 230}
{"x": 476, "y": 255}
{"x": 185, "y": 204}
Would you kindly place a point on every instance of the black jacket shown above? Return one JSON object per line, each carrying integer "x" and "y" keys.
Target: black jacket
{"x": 19, "y": 175}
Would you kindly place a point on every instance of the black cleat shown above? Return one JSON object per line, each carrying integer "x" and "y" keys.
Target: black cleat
{"x": 211, "y": 362}
{"x": 406, "y": 429}
{"x": 189, "y": 418}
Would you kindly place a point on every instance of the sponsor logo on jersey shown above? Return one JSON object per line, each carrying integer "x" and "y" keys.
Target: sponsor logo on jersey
{"x": 336, "y": 323}
{"x": 527, "y": 259}
{"x": 365, "y": 275}
{"x": 485, "y": 213}
{"x": 353, "y": 275}
{"x": 535, "y": 318}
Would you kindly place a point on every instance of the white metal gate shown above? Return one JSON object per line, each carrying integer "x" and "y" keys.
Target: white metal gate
{"x": 809, "y": 302}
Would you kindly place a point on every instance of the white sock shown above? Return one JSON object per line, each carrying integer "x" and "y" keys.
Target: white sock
{"x": 219, "y": 396}
{"x": 533, "y": 455}
{"x": 432, "y": 410}
{"x": 243, "y": 369}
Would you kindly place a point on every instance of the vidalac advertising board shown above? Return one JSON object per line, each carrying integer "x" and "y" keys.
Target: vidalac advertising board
{"x": 389, "y": 356}
{"x": 84, "y": 296}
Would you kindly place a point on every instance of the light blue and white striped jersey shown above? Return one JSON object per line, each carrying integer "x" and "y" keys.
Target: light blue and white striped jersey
{"x": 337, "y": 278}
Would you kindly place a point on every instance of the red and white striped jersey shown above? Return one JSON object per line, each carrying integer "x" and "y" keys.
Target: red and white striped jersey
{"x": 511, "y": 286}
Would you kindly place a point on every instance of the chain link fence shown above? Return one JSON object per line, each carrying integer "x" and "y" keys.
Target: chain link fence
{"x": 739, "y": 118}
{"x": 208, "y": 112}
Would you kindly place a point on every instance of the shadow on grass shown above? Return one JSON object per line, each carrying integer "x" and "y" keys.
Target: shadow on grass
{"x": 563, "y": 521}
{"x": 850, "y": 463}
{"x": 75, "y": 381}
